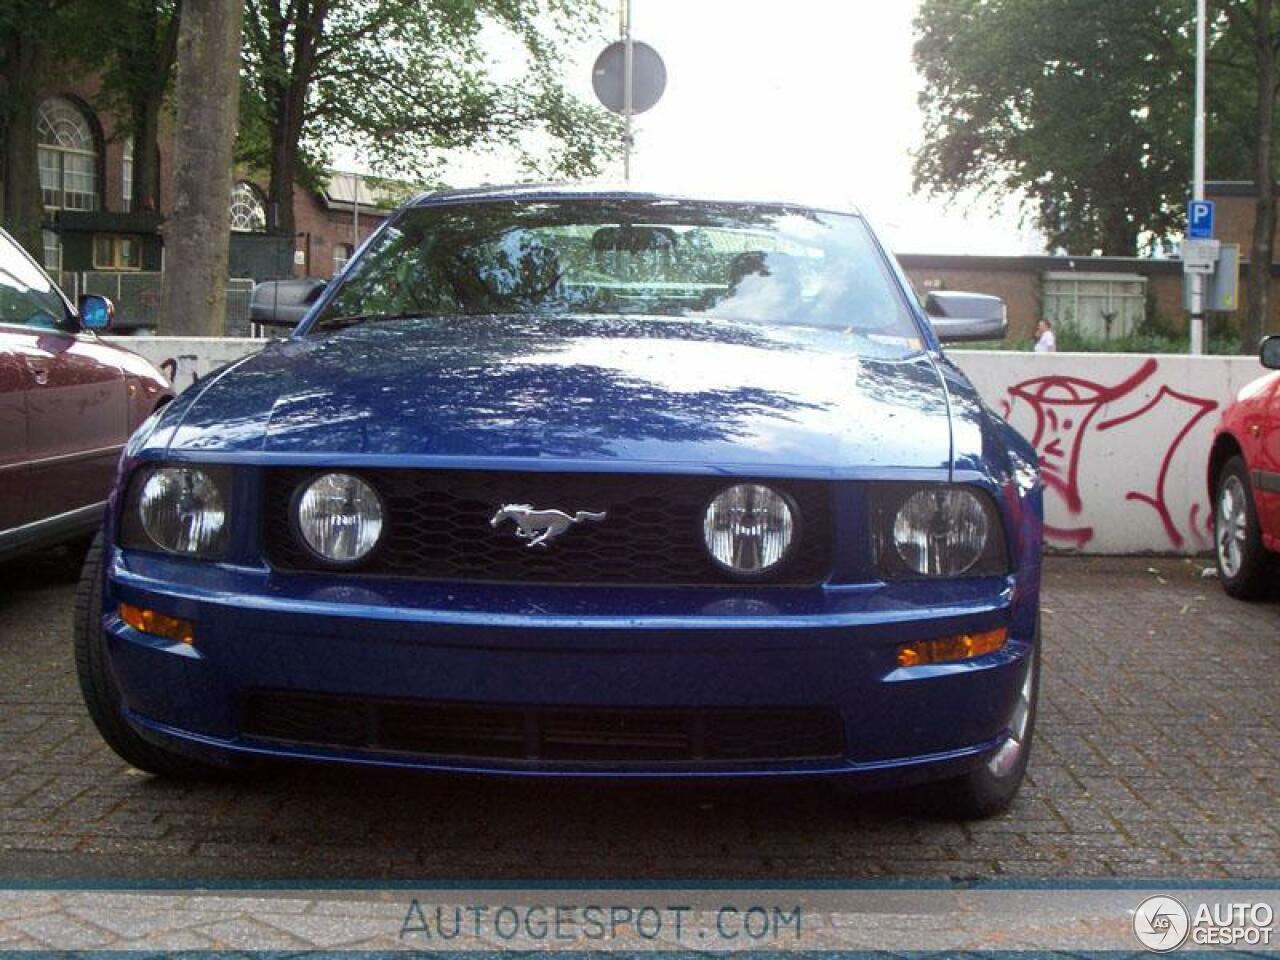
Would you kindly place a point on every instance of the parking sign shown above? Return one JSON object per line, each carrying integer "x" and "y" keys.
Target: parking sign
{"x": 1200, "y": 219}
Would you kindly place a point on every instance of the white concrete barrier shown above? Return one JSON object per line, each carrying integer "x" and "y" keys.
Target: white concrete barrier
{"x": 185, "y": 360}
{"x": 1123, "y": 438}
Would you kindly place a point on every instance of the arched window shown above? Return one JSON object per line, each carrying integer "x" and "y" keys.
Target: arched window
{"x": 248, "y": 215}
{"x": 126, "y": 175}
{"x": 68, "y": 156}
{"x": 52, "y": 253}
{"x": 341, "y": 254}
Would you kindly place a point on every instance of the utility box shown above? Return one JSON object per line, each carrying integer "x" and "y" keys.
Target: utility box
{"x": 1222, "y": 286}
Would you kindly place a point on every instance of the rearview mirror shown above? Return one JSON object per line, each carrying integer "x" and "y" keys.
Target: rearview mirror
{"x": 633, "y": 239}
{"x": 1269, "y": 354}
{"x": 96, "y": 313}
{"x": 957, "y": 317}
{"x": 282, "y": 303}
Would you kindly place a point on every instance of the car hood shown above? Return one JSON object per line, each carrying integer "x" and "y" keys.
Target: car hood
{"x": 667, "y": 391}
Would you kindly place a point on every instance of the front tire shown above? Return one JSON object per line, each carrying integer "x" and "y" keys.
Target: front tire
{"x": 990, "y": 789}
{"x": 1245, "y": 567}
{"x": 98, "y": 687}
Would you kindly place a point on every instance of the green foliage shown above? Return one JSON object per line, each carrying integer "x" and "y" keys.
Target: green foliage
{"x": 1082, "y": 107}
{"x": 140, "y": 43}
{"x": 45, "y": 39}
{"x": 40, "y": 41}
{"x": 254, "y": 143}
{"x": 138, "y": 37}
{"x": 1072, "y": 340}
{"x": 404, "y": 82}
{"x": 1220, "y": 341}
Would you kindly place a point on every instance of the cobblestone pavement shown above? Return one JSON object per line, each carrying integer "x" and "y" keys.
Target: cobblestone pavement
{"x": 1158, "y": 755}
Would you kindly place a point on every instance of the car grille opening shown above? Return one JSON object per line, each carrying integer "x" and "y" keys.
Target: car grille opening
{"x": 466, "y": 731}
{"x": 437, "y": 527}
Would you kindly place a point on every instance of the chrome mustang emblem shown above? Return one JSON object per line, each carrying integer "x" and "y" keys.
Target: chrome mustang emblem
{"x": 539, "y": 526}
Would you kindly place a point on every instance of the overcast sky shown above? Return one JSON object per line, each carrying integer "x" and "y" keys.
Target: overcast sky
{"x": 812, "y": 99}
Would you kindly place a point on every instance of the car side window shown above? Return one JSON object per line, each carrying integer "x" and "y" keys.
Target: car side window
{"x": 28, "y": 297}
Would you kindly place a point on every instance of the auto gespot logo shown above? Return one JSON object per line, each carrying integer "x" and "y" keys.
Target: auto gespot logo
{"x": 1162, "y": 924}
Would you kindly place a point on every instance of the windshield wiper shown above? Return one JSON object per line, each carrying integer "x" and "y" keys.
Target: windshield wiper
{"x": 339, "y": 323}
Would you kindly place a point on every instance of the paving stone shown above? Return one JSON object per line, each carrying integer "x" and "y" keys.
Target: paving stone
{"x": 1156, "y": 755}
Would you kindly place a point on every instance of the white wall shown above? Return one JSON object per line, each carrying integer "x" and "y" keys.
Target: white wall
{"x": 1123, "y": 438}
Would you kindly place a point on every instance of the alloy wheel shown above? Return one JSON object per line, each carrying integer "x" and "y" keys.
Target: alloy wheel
{"x": 1232, "y": 525}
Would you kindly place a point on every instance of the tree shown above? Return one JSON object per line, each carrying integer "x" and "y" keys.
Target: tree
{"x": 197, "y": 234}
{"x": 1078, "y": 106}
{"x": 402, "y": 81}
{"x": 142, "y": 39}
{"x": 1084, "y": 109}
{"x": 37, "y": 37}
{"x": 1250, "y": 44}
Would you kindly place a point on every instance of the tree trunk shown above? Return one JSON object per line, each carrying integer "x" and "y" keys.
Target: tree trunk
{"x": 198, "y": 233}
{"x": 288, "y": 102}
{"x": 1120, "y": 236}
{"x": 1264, "y": 221}
{"x": 284, "y": 159}
{"x": 146, "y": 160}
{"x": 146, "y": 119}
{"x": 23, "y": 203}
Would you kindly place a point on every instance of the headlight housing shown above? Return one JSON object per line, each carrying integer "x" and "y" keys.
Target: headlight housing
{"x": 339, "y": 518}
{"x": 750, "y": 529}
{"x": 937, "y": 530}
{"x": 180, "y": 509}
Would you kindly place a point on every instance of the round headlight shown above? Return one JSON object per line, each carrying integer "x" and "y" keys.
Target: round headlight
{"x": 182, "y": 510}
{"x": 749, "y": 528}
{"x": 340, "y": 517}
{"x": 941, "y": 532}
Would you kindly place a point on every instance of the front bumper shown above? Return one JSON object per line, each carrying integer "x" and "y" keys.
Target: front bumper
{"x": 689, "y": 651}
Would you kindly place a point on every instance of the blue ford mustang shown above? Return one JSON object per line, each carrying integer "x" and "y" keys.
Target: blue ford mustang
{"x": 568, "y": 482}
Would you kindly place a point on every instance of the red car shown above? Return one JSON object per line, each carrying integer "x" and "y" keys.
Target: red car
{"x": 1244, "y": 484}
{"x": 68, "y": 403}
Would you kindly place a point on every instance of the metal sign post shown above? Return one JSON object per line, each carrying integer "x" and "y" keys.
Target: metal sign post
{"x": 629, "y": 78}
{"x": 628, "y": 88}
{"x": 1196, "y": 278}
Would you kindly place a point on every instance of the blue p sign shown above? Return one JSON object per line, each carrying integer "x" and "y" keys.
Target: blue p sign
{"x": 1200, "y": 219}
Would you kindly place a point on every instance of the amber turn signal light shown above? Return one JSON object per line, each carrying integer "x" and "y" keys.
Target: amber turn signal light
{"x": 158, "y": 624}
{"x": 963, "y": 646}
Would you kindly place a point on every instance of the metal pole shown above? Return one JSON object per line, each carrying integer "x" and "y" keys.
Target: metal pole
{"x": 1197, "y": 189}
{"x": 627, "y": 64}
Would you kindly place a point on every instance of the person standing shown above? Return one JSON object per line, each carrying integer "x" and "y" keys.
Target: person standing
{"x": 1045, "y": 342}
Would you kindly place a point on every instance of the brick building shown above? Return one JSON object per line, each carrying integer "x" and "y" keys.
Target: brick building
{"x": 1102, "y": 295}
{"x": 94, "y": 241}
{"x": 1233, "y": 218}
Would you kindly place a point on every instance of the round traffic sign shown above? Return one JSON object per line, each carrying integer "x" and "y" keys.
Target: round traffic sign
{"x": 648, "y": 72}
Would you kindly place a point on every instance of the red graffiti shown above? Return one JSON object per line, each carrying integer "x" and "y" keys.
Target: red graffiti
{"x": 1065, "y": 409}
{"x": 1156, "y": 501}
{"x": 172, "y": 367}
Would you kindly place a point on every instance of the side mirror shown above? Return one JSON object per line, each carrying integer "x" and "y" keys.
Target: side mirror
{"x": 1269, "y": 353}
{"x": 282, "y": 303}
{"x": 96, "y": 313}
{"x": 957, "y": 317}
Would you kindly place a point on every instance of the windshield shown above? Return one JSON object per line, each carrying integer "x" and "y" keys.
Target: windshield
{"x": 27, "y": 296}
{"x": 777, "y": 266}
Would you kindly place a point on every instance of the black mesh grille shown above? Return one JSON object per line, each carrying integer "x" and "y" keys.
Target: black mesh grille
{"x": 438, "y": 527}
{"x": 564, "y": 735}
